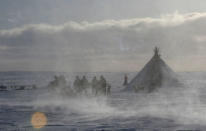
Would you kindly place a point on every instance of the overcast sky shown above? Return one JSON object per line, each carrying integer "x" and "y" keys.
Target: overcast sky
{"x": 101, "y": 35}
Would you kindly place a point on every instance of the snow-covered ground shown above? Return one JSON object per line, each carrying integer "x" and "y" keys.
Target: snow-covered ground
{"x": 168, "y": 109}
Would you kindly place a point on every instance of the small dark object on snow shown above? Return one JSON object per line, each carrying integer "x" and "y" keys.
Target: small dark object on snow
{"x": 125, "y": 80}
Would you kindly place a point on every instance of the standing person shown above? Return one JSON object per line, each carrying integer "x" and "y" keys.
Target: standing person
{"x": 103, "y": 84}
{"x": 125, "y": 80}
{"x": 62, "y": 81}
{"x": 77, "y": 85}
{"x": 53, "y": 84}
{"x": 108, "y": 89}
{"x": 84, "y": 84}
{"x": 94, "y": 85}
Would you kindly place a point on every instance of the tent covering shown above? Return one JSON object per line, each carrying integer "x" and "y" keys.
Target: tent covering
{"x": 155, "y": 74}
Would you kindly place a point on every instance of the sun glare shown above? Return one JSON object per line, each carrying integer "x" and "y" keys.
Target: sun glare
{"x": 38, "y": 120}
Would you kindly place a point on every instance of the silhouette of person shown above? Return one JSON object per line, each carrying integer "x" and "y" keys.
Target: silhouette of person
{"x": 53, "y": 84}
{"x": 108, "y": 89}
{"x": 62, "y": 81}
{"x": 125, "y": 80}
{"x": 94, "y": 85}
{"x": 84, "y": 84}
{"x": 103, "y": 84}
{"x": 77, "y": 85}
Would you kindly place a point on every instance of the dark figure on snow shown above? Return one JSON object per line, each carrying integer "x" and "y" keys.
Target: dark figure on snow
{"x": 94, "y": 85}
{"x": 53, "y": 84}
{"x": 65, "y": 89}
{"x": 84, "y": 84}
{"x": 59, "y": 85}
{"x": 108, "y": 89}
{"x": 62, "y": 81}
{"x": 103, "y": 85}
{"x": 77, "y": 85}
{"x": 125, "y": 80}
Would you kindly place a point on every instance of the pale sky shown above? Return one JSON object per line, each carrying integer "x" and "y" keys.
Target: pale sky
{"x": 101, "y": 35}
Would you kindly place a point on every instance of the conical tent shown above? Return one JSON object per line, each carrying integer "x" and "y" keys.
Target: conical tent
{"x": 155, "y": 74}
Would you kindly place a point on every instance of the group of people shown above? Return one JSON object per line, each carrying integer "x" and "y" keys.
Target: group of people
{"x": 59, "y": 85}
{"x": 98, "y": 87}
{"x": 81, "y": 86}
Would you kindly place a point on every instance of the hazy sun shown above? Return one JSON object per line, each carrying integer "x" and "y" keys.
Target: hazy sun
{"x": 38, "y": 120}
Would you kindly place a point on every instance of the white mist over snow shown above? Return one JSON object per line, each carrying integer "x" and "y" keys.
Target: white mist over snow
{"x": 183, "y": 105}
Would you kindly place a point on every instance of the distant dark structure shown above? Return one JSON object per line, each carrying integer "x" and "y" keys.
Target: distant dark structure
{"x": 3, "y": 88}
{"x": 155, "y": 74}
{"x": 125, "y": 80}
{"x": 17, "y": 87}
{"x": 21, "y": 88}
